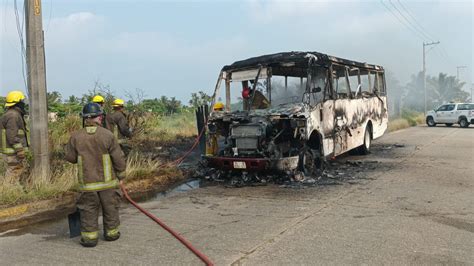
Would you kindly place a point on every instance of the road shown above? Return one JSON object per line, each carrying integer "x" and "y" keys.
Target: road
{"x": 415, "y": 207}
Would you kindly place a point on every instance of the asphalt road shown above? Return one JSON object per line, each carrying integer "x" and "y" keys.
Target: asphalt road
{"x": 414, "y": 207}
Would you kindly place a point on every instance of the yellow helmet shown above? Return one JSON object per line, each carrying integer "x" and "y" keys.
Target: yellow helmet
{"x": 98, "y": 99}
{"x": 118, "y": 103}
{"x": 218, "y": 106}
{"x": 13, "y": 98}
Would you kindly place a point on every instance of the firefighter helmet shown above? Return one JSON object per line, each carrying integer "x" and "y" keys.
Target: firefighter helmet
{"x": 91, "y": 110}
{"x": 246, "y": 93}
{"x": 98, "y": 99}
{"x": 13, "y": 98}
{"x": 118, "y": 103}
{"x": 218, "y": 106}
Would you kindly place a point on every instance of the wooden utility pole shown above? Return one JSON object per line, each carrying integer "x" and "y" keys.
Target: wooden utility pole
{"x": 424, "y": 70}
{"x": 35, "y": 60}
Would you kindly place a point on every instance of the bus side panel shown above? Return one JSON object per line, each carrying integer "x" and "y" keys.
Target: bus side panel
{"x": 351, "y": 119}
{"x": 380, "y": 125}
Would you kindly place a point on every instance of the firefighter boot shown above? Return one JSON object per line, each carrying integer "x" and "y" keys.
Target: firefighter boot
{"x": 89, "y": 239}
{"x": 111, "y": 235}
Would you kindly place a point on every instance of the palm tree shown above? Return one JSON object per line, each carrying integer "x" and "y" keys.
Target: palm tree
{"x": 445, "y": 88}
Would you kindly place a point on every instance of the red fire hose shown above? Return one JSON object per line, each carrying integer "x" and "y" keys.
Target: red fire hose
{"x": 181, "y": 239}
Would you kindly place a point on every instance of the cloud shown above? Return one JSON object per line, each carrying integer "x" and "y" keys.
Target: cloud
{"x": 274, "y": 10}
{"x": 74, "y": 28}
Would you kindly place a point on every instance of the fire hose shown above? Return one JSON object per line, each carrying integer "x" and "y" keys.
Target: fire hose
{"x": 181, "y": 239}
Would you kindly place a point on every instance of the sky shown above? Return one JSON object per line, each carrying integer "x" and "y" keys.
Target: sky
{"x": 174, "y": 48}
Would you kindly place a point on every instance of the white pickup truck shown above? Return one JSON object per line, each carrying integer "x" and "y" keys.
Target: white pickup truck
{"x": 451, "y": 113}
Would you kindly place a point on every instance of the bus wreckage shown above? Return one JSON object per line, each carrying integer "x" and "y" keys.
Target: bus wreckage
{"x": 289, "y": 112}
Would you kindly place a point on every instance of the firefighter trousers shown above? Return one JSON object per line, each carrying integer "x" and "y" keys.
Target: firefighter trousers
{"x": 14, "y": 170}
{"x": 90, "y": 203}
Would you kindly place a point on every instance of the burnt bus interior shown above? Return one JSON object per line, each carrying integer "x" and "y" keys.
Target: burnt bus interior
{"x": 279, "y": 132}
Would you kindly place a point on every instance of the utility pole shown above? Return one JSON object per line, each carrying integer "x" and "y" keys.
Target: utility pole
{"x": 457, "y": 70}
{"x": 35, "y": 60}
{"x": 424, "y": 69}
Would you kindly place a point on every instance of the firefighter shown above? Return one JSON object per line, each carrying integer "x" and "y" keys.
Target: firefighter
{"x": 98, "y": 99}
{"x": 259, "y": 101}
{"x": 212, "y": 146}
{"x": 101, "y": 166}
{"x": 118, "y": 124}
{"x": 13, "y": 138}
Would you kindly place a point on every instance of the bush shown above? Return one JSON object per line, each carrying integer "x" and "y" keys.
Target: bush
{"x": 410, "y": 116}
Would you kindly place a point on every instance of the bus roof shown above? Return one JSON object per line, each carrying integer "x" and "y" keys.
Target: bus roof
{"x": 298, "y": 59}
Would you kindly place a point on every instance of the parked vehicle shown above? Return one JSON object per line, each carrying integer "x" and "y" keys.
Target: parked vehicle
{"x": 293, "y": 110}
{"x": 451, "y": 113}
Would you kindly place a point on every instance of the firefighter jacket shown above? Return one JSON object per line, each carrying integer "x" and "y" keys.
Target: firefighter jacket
{"x": 13, "y": 131}
{"x": 118, "y": 124}
{"x": 97, "y": 153}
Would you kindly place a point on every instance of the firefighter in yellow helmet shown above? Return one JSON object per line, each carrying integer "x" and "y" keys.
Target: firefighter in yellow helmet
{"x": 212, "y": 146}
{"x": 118, "y": 124}
{"x": 218, "y": 106}
{"x": 98, "y": 99}
{"x": 13, "y": 140}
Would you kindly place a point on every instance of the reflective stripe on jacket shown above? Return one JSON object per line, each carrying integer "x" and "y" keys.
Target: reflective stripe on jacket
{"x": 99, "y": 157}
{"x": 12, "y": 132}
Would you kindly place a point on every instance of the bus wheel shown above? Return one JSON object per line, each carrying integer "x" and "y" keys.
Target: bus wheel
{"x": 364, "y": 149}
{"x": 307, "y": 161}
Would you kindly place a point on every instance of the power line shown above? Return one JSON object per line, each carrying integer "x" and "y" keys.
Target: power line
{"x": 50, "y": 13}
{"x": 402, "y": 22}
{"x": 19, "y": 29}
{"x": 408, "y": 21}
{"x": 416, "y": 21}
{"x": 441, "y": 51}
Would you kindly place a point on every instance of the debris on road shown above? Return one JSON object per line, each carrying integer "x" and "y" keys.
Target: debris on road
{"x": 333, "y": 173}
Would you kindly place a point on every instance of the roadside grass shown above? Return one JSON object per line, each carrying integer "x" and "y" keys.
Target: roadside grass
{"x": 61, "y": 182}
{"x": 140, "y": 166}
{"x": 167, "y": 128}
{"x": 407, "y": 119}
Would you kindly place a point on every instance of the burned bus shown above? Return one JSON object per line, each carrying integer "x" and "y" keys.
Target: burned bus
{"x": 291, "y": 111}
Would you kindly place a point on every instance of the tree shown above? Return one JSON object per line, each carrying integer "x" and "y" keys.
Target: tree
{"x": 413, "y": 93}
{"x": 439, "y": 89}
{"x": 394, "y": 93}
{"x": 199, "y": 99}
{"x": 54, "y": 102}
{"x": 445, "y": 88}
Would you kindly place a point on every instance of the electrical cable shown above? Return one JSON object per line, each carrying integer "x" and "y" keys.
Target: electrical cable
{"x": 19, "y": 29}
{"x": 408, "y": 21}
{"x": 416, "y": 21}
{"x": 402, "y": 22}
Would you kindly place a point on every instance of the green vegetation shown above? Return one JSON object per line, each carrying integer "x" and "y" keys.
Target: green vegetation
{"x": 408, "y": 119}
{"x": 155, "y": 122}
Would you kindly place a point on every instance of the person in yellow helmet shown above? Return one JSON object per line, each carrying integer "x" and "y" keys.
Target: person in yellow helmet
{"x": 118, "y": 124}
{"x": 218, "y": 106}
{"x": 13, "y": 139}
{"x": 100, "y": 100}
{"x": 213, "y": 133}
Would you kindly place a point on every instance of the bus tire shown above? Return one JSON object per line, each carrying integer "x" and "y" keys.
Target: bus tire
{"x": 364, "y": 149}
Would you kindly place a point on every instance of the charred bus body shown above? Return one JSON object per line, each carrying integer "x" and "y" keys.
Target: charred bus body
{"x": 294, "y": 110}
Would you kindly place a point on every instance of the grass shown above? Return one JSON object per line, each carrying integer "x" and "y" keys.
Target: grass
{"x": 167, "y": 128}
{"x": 407, "y": 119}
{"x": 140, "y": 165}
